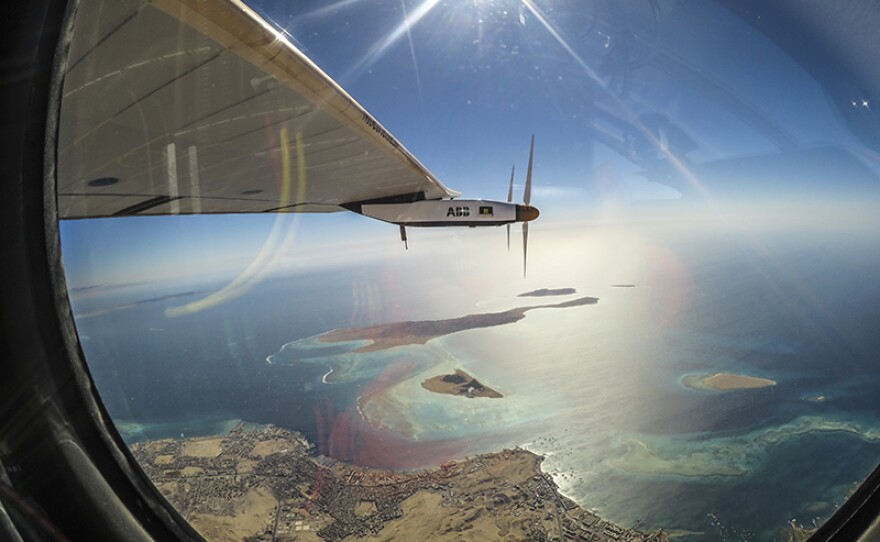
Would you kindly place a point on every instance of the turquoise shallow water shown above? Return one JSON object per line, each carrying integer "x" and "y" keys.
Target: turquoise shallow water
{"x": 133, "y": 431}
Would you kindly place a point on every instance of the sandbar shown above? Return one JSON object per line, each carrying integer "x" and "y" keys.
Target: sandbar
{"x": 725, "y": 382}
{"x": 639, "y": 459}
{"x": 459, "y": 383}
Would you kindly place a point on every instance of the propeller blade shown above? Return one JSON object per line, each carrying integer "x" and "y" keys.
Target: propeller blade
{"x": 525, "y": 245}
{"x": 527, "y": 197}
{"x": 509, "y": 200}
{"x": 510, "y": 188}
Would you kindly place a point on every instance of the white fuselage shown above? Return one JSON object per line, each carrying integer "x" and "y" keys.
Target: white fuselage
{"x": 443, "y": 213}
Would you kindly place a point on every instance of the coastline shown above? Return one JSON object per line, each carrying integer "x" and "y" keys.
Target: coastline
{"x": 269, "y": 481}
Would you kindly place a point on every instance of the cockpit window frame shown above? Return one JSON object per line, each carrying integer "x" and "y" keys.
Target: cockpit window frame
{"x": 57, "y": 448}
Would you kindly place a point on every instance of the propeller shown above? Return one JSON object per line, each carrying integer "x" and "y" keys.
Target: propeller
{"x": 525, "y": 212}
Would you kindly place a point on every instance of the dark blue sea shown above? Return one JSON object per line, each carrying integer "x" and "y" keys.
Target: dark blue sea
{"x": 596, "y": 389}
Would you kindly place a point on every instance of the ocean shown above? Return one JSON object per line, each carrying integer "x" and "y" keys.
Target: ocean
{"x": 596, "y": 389}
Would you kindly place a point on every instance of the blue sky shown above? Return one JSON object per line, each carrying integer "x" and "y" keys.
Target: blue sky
{"x": 688, "y": 91}
{"x": 472, "y": 79}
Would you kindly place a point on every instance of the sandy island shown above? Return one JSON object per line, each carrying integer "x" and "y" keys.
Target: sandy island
{"x": 459, "y": 383}
{"x": 725, "y": 382}
{"x": 405, "y": 333}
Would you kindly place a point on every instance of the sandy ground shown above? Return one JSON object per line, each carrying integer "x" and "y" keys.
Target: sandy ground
{"x": 250, "y": 518}
{"x": 164, "y": 459}
{"x": 727, "y": 381}
{"x": 489, "y": 515}
{"x": 203, "y": 447}
{"x": 425, "y": 519}
{"x": 267, "y": 447}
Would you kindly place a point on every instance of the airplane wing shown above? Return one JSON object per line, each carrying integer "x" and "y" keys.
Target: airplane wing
{"x": 187, "y": 106}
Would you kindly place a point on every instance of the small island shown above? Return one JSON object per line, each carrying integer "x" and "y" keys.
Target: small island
{"x": 623, "y": 285}
{"x": 546, "y": 292}
{"x": 459, "y": 383}
{"x": 394, "y": 334}
{"x": 725, "y": 382}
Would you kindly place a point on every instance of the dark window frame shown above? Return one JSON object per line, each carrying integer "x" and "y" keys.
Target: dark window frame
{"x": 69, "y": 471}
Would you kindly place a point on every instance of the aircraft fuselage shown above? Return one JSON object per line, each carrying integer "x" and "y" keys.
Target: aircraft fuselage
{"x": 440, "y": 213}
